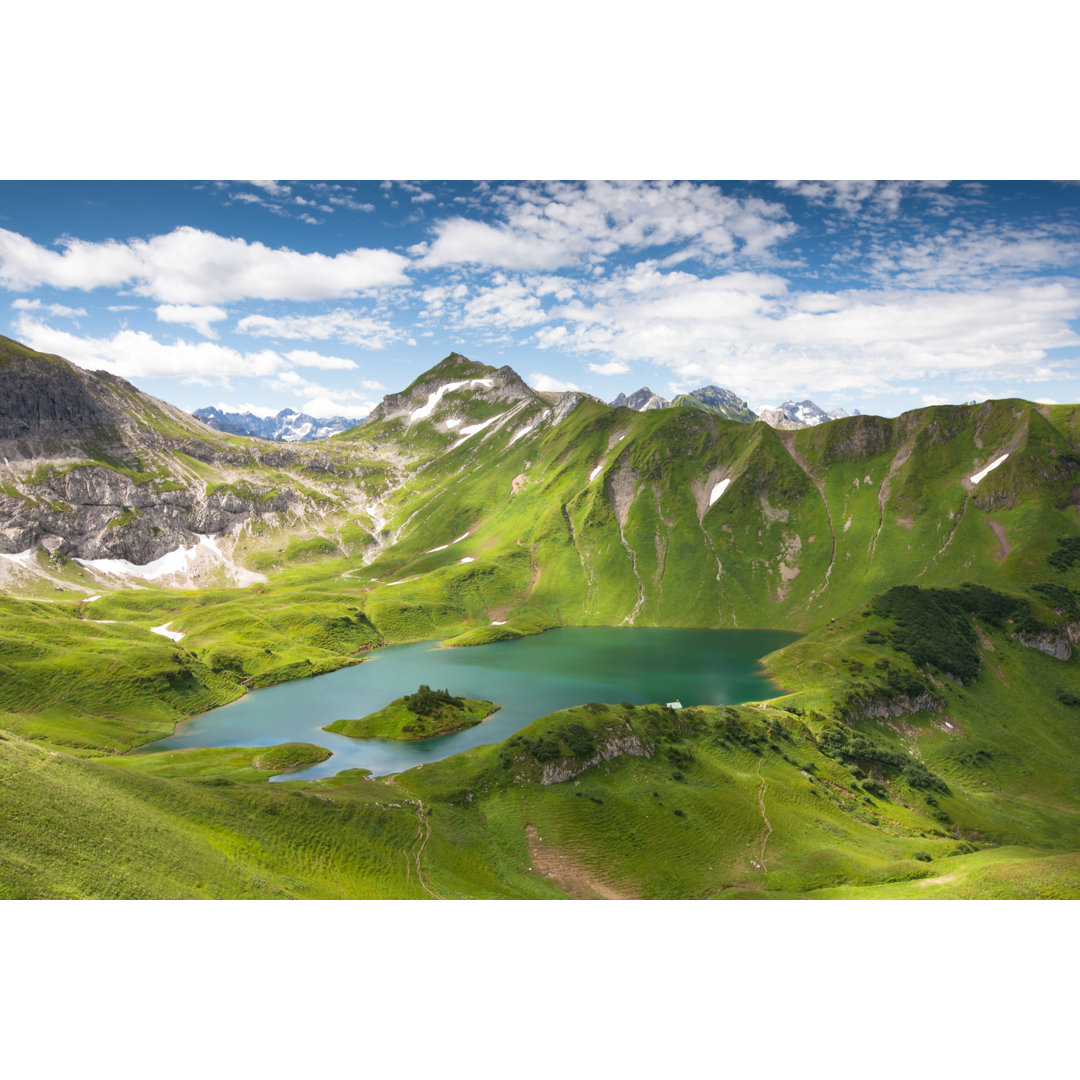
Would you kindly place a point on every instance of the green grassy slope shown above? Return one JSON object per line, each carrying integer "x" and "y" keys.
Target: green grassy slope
{"x": 884, "y": 770}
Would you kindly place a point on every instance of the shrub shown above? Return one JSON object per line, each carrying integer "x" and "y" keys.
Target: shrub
{"x": 923, "y": 856}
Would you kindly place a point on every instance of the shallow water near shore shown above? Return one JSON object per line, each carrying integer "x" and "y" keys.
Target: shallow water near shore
{"x": 526, "y": 678}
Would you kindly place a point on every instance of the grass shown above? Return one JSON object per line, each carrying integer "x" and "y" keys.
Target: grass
{"x": 917, "y": 740}
{"x": 403, "y": 720}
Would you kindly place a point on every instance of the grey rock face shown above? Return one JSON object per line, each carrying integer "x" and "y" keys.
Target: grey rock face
{"x": 641, "y": 400}
{"x": 615, "y": 746}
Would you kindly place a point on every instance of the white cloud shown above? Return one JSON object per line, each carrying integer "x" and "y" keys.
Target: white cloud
{"x": 550, "y": 225}
{"x": 262, "y": 411}
{"x": 272, "y": 187}
{"x": 198, "y": 317}
{"x": 424, "y": 196}
{"x": 745, "y": 331}
{"x": 508, "y": 303}
{"x": 612, "y": 367}
{"x": 191, "y": 266}
{"x": 59, "y": 310}
{"x": 540, "y": 381}
{"x": 975, "y": 257}
{"x": 323, "y": 407}
{"x": 306, "y": 358}
{"x": 135, "y": 354}
{"x": 856, "y": 196}
{"x": 341, "y": 324}
{"x": 349, "y": 203}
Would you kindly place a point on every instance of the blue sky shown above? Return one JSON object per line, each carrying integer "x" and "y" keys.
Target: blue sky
{"x": 882, "y": 296}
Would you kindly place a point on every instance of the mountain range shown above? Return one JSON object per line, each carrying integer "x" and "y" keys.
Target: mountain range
{"x": 924, "y": 742}
{"x": 287, "y": 426}
{"x": 725, "y": 403}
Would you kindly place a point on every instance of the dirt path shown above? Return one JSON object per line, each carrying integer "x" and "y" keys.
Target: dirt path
{"x": 577, "y": 881}
{"x": 764, "y": 817}
{"x": 423, "y": 835}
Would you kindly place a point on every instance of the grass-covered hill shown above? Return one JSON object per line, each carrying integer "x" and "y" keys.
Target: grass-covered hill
{"x": 926, "y": 741}
{"x": 424, "y": 714}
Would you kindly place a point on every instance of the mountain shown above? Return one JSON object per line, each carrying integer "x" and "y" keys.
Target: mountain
{"x": 924, "y": 743}
{"x": 717, "y": 401}
{"x": 287, "y": 426}
{"x": 641, "y": 400}
{"x": 796, "y": 414}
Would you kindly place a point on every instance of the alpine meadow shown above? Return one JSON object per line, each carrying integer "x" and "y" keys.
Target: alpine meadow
{"x": 911, "y": 730}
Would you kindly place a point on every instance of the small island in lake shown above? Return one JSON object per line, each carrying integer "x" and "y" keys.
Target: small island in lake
{"x": 423, "y": 715}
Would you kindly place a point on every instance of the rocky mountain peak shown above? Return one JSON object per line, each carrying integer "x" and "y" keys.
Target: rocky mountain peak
{"x": 641, "y": 400}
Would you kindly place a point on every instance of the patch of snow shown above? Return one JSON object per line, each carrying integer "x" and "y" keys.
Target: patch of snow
{"x": 596, "y": 472}
{"x": 454, "y": 422}
{"x": 498, "y": 622}
{"x": 468, "y": 432}
{"x": 91, "y": 599}
{"x": 22, "y": 557}
{"x": 429, "y": 406}
{"x": 948, "y": 725}
{"x": 718, "y": 490}
{"x": 182, "y": 562}
{"x": 164, "y": 631}
{"x": 520, "y": 433}
{"x": 401, "y": 581}
{"x": 468, "y": 558}
{"x": 989, "y": 468}
{"x": 443, "y": 547}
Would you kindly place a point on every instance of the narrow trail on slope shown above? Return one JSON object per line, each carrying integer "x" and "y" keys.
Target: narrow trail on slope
{"x": 949, "y": 539}
{"x": 629, "y": 620}
{"x": 903, "y": 456}
{"x": 423, "y": 835}
{"x": 764, "y": 817}
{"x": 820, "y": 485}
{"x": 590, "y": 581}
{"x": 719, "y": 572}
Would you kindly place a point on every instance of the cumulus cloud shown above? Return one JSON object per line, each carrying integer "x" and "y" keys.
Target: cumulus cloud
{"x": 135, "y": 354}
{"x": 539, "y": 381}
{"x": 612, "y": 367}
{"x": 306, "y": 358}
{"x": 340, "y": 324}
{"x": 745, "y": 331}
{"x": 857, "y": 196}
{"x": 975, "y": 257}
{"x": 324, "y": 407}
{"x": 193, "y": 266}
{"x": 506, "y": 304}
{"x": 198, "y": 317}
{"x": 262, "y": 411}
{"x": 324, "y": 400}
{"x": 551, "y": 225}
{"x": 59, "y": 310}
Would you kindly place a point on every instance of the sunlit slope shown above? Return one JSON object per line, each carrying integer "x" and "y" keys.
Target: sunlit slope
{"x": 77, "y": 829}
{"x": 615, "y": 517}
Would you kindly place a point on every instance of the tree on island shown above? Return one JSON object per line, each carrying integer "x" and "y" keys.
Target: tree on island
{"x": 428, "y": 702}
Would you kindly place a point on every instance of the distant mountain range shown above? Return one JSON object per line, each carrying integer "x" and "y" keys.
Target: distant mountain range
{"x": 287, "y": 426}
{"x": 720, "y": 402}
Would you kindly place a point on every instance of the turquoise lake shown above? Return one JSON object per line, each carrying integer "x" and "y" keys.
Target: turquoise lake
{"x": 526, "y": 678}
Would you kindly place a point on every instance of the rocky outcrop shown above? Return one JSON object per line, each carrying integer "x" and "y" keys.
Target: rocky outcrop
{"x": 616, "y": 745}
{"x": 859, "y": 708}
{"x": 1055, "y": 645}
{"x": 95, "y": 512}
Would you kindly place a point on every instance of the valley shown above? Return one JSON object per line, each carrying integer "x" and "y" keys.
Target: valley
{"x": 921, "y": 735}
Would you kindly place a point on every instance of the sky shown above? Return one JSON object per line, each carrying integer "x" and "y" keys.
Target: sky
{"x": 323, "y": 296}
